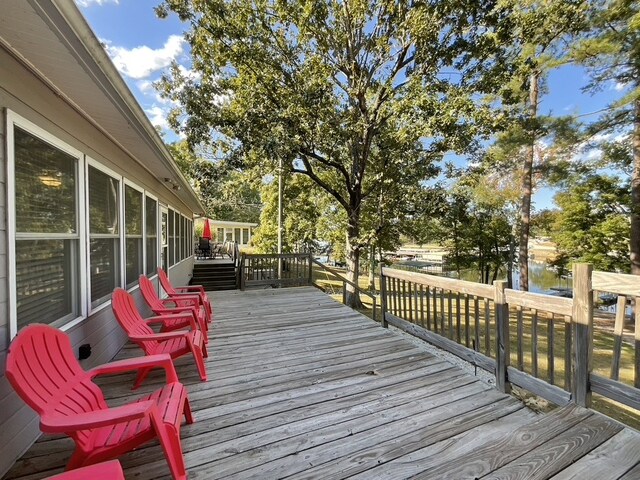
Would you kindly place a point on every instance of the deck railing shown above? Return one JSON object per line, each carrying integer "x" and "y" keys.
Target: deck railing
{"x": 334, "y": 276}
{"x": 541, "y": 343}
{"x": 284, "y": 270}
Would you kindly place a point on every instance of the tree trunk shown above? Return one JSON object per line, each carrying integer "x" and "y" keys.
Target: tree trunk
{"x": 353, "y": 261}
{"x": 635, "y": 193}
{"x": 512, "y": 251}
{"x": 527, "y": 184}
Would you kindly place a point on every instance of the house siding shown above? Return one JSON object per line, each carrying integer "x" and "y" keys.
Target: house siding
{"x": 27, "y": 96}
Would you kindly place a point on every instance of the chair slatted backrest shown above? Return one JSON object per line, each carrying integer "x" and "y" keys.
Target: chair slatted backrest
{"x": 129, "y": 318}
{"x": 149, "y": 293}
{"x": 42, "y": 369}
{"x": 164, "y": 281}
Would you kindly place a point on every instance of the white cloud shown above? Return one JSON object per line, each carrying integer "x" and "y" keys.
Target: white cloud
{"x": 620, "y": 86}
{"x": 140, "y": 62}
{"x": 88, "y": 3}
{"x": 158, "y": 117}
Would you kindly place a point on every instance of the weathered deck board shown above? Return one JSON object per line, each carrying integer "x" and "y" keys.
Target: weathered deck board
{"x": 302, "y": 387}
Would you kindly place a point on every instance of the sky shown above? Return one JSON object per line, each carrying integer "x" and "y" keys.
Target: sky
{"x": 142, "y": 47}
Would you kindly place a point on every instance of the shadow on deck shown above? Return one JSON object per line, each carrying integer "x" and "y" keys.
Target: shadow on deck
{"x": 302, "y": 387}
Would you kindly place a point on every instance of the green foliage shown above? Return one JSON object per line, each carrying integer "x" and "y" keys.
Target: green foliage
{"x": 592, "y": 224}
{"x": 228, "y": 193}
{"x": 360, "y": 97}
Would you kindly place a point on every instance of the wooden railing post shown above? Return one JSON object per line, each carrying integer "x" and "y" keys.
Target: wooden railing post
{"x": 241, "y": 273}
{"x": 383, "y": 299}
{"x": 502, "y": 337}
{"x": 310, "y": 260}
{"x": 582, "y": 333}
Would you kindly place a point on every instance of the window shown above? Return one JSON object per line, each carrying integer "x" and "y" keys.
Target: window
{"x": 133, "y": 234}
{"x": 164, "y": 219}
{"x": 172, "y": 239}
{"x": 104, "y": 235}
{"x": 151, "y": 219}
{"x": 236, "y": 235}
{"x": 220, "y": 236}
{"x": 179, "y": 237}
{"x": 245, "y": 236}
{"x": 185, "y": 237}
{"x": 229, "y": 236}
{"x": 47, "y": 238}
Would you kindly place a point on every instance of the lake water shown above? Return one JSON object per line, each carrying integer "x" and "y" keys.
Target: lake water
{"x": 542, "y": 279}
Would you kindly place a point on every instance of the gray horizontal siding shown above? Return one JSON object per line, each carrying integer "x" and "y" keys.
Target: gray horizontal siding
{"x": 27, "y": 96}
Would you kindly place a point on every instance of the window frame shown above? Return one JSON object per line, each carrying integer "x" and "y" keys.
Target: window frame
{"x": 91, "y": 162}
{"x": 126, "y": 182}
{"x": 147, "y": 193}
{"x": 80, "y": 292}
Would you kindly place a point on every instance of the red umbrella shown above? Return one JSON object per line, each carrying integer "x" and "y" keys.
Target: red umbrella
{"x": 206, "y": 233}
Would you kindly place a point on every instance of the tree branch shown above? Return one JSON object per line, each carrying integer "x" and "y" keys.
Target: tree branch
{"x": 321, "y": 183}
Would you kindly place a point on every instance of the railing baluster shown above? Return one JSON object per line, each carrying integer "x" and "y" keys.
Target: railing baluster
{"x": 636, "y": 345}
{"x": 618, "y": 328}
{"x": 520, "y": 335}
{"x": 384, "y": 301}
{"x": 458, "y": 317}
{"x": 487, "y": 327}
{"x": 567, "y": 353}
{"x": 404, "y": 299}
{"x": 534, "y": 343}
{"x": 422, "y": 306}
{"x": 450, "y": 314}
{"x": 476, "y": 314}
{"x": 467, "y": 340}
{"x": 442, "y": 314}
{"x": 550, "y": 349}
{"x": 435, "y": 309}
{"x": 409, "y": 295}
{"x": 428, "y": 293}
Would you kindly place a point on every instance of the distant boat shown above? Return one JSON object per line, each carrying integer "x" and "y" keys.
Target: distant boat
{"x": 608, "y": 298}
{"x": 561, "y": 292}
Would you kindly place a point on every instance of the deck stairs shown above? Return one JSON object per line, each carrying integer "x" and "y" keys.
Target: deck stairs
{"x": 213, "y": 276}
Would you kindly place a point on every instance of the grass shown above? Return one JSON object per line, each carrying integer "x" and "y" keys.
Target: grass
{"x": 603, "y": 337}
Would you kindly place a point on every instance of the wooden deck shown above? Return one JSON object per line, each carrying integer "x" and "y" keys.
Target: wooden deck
{"x": 302, "y": 387}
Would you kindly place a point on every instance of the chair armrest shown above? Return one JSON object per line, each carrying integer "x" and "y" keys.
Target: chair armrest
{"x": 95, "y": 419}
{"x": 159, "y": 337}
{"x": 183, "y": 297}
{"x": 162, "y": 360}
{"x": 191, "y": 288}
{"x": 174, "y": 314}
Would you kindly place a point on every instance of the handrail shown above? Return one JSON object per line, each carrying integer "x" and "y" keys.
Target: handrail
{"x": 264, "y": 270}
{"x": 458, "y": 316}
{"x": 349, "y": 282}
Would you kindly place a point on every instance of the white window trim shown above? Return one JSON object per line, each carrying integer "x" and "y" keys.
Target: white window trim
{"x": 129, "y": 183}
{"x": 91, "y": 162}
{"x": 13, "y": 119}
{"x": 158, "y": 233}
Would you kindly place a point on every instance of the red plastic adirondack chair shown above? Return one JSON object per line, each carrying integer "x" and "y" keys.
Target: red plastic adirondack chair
{"x": 189, "y": 290}
{"x": 190, "y": 304}
{"x": 42, "y": 369}
{"x": 176, "y": 343}
{"x": 101, "y": 471}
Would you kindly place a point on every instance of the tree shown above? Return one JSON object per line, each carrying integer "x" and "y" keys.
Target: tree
{"x": 354, "y": 95}
{"x": 611, "y": 52}
{"x": 543, "y": 29}
{"x": 592, "y": 224}
{"x": 227, "y": 193}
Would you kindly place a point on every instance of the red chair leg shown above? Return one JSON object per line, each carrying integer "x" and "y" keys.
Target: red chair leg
{"x": 142, "y": 374}
{"x": 77, "y": 460}
{"x": 170, "y": 442}
{"x": 188, "y": 415}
